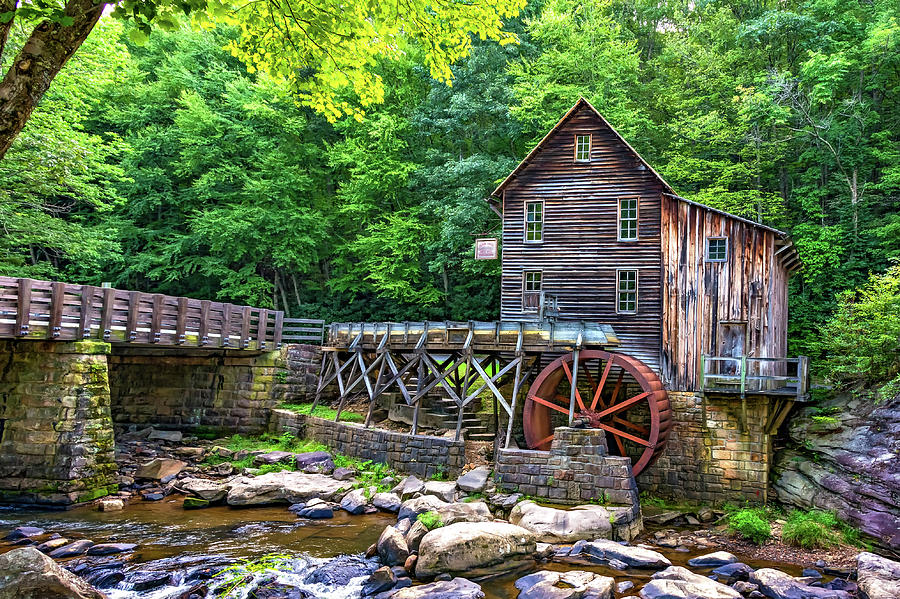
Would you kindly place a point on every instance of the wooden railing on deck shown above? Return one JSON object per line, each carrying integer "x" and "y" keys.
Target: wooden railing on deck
{"x": 33, "y": 309}
{"x": 769, "y": 376}
{"x": 304, "y": 330}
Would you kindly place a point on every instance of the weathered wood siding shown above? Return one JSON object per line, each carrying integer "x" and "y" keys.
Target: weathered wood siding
{"x": 580, "y": 251}
{"x": 750, "y": 287}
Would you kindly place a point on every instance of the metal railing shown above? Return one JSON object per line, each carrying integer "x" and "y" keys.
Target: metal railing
{"x": 744, "y": 374}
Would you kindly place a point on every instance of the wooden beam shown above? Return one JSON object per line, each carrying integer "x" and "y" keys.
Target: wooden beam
{"x": 203, "y": 333}
{"x": 156, "y": 318}
{"x": 57, "y": 302}
{"x": 181, "y": 320}
{"x": 23, "y": 307}
{"x": 279, "y": 325}
{"x": 109, "y": 299}
{"x": 131, "y": 319}
{"x": 87, "y": 311}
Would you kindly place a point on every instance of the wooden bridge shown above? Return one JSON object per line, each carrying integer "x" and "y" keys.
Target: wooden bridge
{"x": 55, "y": 311}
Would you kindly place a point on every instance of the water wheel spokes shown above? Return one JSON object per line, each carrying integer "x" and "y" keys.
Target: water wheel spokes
{"x": 621, "y": 396}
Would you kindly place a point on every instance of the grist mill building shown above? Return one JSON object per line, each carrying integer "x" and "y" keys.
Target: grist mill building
{"x": 591, "y": 232}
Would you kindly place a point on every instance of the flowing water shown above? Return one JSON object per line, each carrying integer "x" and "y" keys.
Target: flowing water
{"x": 190, "y": 544}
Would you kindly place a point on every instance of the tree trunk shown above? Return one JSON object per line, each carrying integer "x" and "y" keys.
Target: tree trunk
{"x": 6, "y": 6}
{"x": 40, "y": 59}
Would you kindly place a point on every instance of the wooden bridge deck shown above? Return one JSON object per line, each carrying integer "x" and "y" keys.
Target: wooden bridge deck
{"x": 34, "y": 309}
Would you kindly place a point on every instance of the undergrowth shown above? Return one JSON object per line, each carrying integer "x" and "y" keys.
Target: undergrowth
{"x": 267, "y": 443}
{"x": 817, "y": 529}
{"x": 751, "y": 524}
{"x": 430, "y": 520}
{"x": 321, "y": 411}
{"x": 237, "y": 577}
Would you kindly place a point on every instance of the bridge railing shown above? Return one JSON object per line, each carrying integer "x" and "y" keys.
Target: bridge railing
{"x": 35, "y": 309}
{"x": 303, "y": 330}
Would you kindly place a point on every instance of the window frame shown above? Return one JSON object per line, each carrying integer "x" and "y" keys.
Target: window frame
{"x": 525, "y": 273}
{"x": 525, "y": 222}
{"x": 637, "y": 278}
{"x": 707, "y": 254}
{"x": 590, "y": 143}
{"x": 637, "y": 219}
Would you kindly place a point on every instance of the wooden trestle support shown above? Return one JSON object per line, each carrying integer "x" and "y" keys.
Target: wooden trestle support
{"x": 465, "y": 358}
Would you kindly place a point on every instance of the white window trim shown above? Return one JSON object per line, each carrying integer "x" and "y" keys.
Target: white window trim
{"x": 637, "y": 228}
{"x": 525, "y": 222}
{"x": 637, "y": 286}
{"x": 590, "y": 137}
{"x": 524, "y": 291}
{"x": 727, "y": 249}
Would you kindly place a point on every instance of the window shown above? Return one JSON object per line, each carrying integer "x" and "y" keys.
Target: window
{"x": 716, "y": 249}
{"x": 534, "y": 221}
{"x": 531, "y": 290}
{"x": 582, "y": 148}
{"x": 626, "y": 284}
{"x": 628, "y": 219}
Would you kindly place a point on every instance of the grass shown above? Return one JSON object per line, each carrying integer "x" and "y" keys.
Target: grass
{"x": 430, "y": 520}
{"x": 266, "y": 443}
{"x": 751, "y": 524}
{"x": 817, "y": 529}
{"x": 321, "y": 412}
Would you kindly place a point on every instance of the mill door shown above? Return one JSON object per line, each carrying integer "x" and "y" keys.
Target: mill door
{"x": 731, "y": 343}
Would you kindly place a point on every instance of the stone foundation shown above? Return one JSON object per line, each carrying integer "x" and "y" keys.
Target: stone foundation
{"x": 420, "y": 455}
{"x": 56, "y": 437}
{"x": 711, "y": 459}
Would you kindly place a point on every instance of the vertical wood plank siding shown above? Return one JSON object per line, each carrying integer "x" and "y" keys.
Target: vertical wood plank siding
{"x": 580, "y": 251}
{"x": 749, "y": 287}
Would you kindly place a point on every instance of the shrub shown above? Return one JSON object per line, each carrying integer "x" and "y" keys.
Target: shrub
{"x": 861, "y": 341}
{"x": 430, "y": 520}
{"x": 751, "y": 524}
{"x": 817, "y": 529}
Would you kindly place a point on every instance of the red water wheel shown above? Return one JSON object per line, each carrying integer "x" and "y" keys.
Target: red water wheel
{"x": 614, "y": 392}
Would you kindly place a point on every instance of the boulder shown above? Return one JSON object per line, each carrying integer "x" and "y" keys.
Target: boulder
{"x": 474, "y": 480}
{"x": 411, "y": 508}
{"x": 27, "y": 573}
{"x": 160, "y": 468}
{"x": 111, "y": 504}
{"x": 388, "y": 502}
{"x": 356, "y": 501}
{"x": 465, "y": 546}
{"x": 50, "y": 545}
{"x": 73, "y": 549}
{"x": 711, "y": 560}
{"x": 380, "y": 580}
{"x": 409, "y": 487}
{"x": 170, "y": 436}
{"x": 778, "y": 585}
{"x": 314, "y": 462}
{"x": 273, "y": 457}
{"x": 392, "y": 548}
{"x": 676, "y": 582}
{"x": 144, "y": 580}
{"x": 634, "y": 557}
{"x": 282, "y": 487}
{"x": 343, "y": 473}
{"x": 735, "y": 570}
{"x": 414, "y": 535}
{"x": 203, "y": 488}
{"x": 470, "y": 511}
{"x": 320, "y": 511}
{"x": 340, "y": 570}
{"x": 457, "y": 588}
{"x": 111, "y": 548}
{"x": 445, "y": 491}
{"x": 24, "y": 532}
{"x": 878, "y": 577}
{"x": 563, "y": 526}
{"x": 574, "y": 584}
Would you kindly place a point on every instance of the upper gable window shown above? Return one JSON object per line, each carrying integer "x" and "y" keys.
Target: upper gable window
{"x": 582, "y": 148}
{"x": 628, "y": 219}
{"x": 534, "y": 222}
{"x": 716, "y": 249}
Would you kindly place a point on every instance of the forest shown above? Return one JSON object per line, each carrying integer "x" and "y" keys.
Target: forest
{"x": 164, "y": 163}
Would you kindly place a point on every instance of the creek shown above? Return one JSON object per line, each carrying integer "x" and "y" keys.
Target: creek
{"x": 191, "y": 543}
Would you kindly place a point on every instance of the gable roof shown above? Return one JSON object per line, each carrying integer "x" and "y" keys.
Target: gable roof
{"x": 668, "y": 189}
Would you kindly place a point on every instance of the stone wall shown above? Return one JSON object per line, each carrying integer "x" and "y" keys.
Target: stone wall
{"x": 56, "y": 437}
{"x": 576, "y": 470}
{"x": 217, "y": 391}
{"x": 420, "y": 455}
{"x": 712, "y": 460}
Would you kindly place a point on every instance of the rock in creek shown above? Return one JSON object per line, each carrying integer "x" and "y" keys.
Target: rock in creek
{"x": 27, "y": 573}
{"x": 414, "y": 535}
{"x": 380, "y": 580}
{"x": 203, "y": 488}
{"x": 676, "y": 582}
{"x": 388, "y": 502}
{"x": 778, "y": 585}
{"x": 465, "y": 546}
{"x": 170, "y": 436}
{"x": 563, "y": 526}
{"x": 160, "y": 468}
{"x": 72, "y": 549}
{"x": 343, "y": 473}
{"x": 718, "y": 558}
{"x": 314, "y": 462}
{"x": 144, "y": 580}
{"x": 356, "y": 501}
{"x": 111, "y": 504}
{"x": 111, "y": 548}
{"x": 470, "y": 511}
{"x": 474, "y": 480}
{"x": 51, "y": 544}
{"x": 273, "y": 457}
{"x": 340, "y": 570}
{"x": 409, "y": 487}
{"x": 392, "y": 547}
{"x": 24, "y": 532}
{"x": 282, "y": 487}
{"x": 634, "y": 557}
{"x": 411, "y": 508}
{"x": 878, "y": 577}
{"x": 445, "y": 491}
{"x": 457, "y": 588}
{"x": 574, "y": 584}
{"x": 736, "y": 570}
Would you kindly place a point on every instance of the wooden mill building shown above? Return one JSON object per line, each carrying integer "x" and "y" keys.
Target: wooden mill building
{"x": 592, "y": 232}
